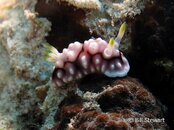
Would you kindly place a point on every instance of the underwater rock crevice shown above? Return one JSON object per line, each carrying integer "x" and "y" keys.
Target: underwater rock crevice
{"x": 66, "y": 27}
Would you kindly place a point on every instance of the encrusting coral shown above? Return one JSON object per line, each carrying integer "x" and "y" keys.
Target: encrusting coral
{"x": 22, "y": 68}
{"x": 125, "y": 104}
{"x": 85, "y": 4}
{"x": 94, "y": 56}
{"x": 106, "y": 20}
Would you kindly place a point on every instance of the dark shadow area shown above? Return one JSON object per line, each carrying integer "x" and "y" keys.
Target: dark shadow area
{"x": 94, "y": 83}
{"x": 152, "y": 58}
{"x": 67, "y": 23}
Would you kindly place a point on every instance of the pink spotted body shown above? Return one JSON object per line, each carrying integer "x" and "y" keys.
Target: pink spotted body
{"x": 93, "y": 56}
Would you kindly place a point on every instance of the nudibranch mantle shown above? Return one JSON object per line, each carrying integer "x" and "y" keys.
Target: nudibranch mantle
{"x": 93, "y": 56}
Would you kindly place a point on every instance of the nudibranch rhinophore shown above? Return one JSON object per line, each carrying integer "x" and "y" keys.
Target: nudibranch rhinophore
{"x": 93, "y": 56}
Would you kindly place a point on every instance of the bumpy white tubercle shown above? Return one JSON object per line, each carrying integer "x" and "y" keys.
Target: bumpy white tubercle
{"x": 94, "y": 56}
{"x": 93, "y": 48}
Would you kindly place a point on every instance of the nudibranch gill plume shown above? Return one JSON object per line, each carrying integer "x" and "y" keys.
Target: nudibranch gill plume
{"x": 93, "y": 56}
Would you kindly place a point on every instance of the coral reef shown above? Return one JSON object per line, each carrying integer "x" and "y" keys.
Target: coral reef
{"x": 19, "y": 31}
{"x": 106, "y": 22}
{"x": 29, "y": 100}
{"x": 22, "y": 68}
{"x": 124, "y": 104}
{"x": 123, "y": 120}
{"x": 103, "y": 20}
{"x": 113, "y": 12}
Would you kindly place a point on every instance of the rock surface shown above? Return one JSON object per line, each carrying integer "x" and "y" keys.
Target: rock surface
{"x": 124, "y": 104}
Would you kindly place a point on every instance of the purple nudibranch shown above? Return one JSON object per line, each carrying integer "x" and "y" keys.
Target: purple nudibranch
{"x": 93, "y": 56}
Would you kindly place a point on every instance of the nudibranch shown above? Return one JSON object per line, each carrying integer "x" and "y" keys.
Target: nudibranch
{"x": 93, "y": 56}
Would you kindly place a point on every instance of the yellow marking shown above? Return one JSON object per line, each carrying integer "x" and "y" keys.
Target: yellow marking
{"x": 120, "y": 34}
{"x": 122, "y": 31}
{"x": 111, "y": 43}
{"x": 51, "y": 53}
